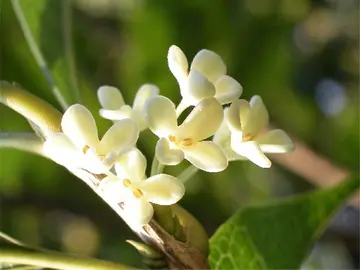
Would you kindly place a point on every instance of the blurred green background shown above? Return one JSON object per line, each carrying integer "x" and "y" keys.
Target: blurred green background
{"x": 301, "y": 56}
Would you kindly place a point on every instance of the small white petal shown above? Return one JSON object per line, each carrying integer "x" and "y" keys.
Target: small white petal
{"x": 198, "y": 88}
{"x": 139, "y": 211}
{"x": 110, "y": 97}
{"x": 113, "y": 189}
{"x": 160, "y": 115}
{"x": 207, "y": 156}
{"x": 227, "y": 89}
{"x": 131, "y": 165}
{"x": 222, "y": 139}
{"x": 178, "y": 63}
{"x": 209, "y": 64}
{"x": 167, "y": 155}
{"x": 203, "y": 121}
{"x": 144, "y": 93}
{"x": 251, "y": 150}
{"x": 60, "y": 149}
{"x": 162, "y": 189}
{"x": 119, "y": 114}
{"x": 79, "y": 125}
{"x": 93, "y": 163}
{"x": 275, "y": 141}
{"x": 232, "y": 115}
{"x": 259, "y": 118}
{"x": 122, "y": 135}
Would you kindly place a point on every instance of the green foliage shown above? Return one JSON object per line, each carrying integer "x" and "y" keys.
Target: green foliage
{"x": 278, "y": 235}
{"x": 55, "y": 55}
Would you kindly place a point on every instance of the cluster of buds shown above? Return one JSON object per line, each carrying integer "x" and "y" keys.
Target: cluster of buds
{"x": 208, "y": 138}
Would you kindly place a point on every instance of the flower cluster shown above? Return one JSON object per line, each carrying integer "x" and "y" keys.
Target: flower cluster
{"x": 208, "y": 138}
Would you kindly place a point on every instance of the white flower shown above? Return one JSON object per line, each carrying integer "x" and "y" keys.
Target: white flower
{"x": 186, "y": 141}
{"x": 134, "y": 193}
{"x": 244, "y": 132}
{"x": 79, "y": 145}
{"x": 114, "y": 107}
{"x": 206, "y": 77}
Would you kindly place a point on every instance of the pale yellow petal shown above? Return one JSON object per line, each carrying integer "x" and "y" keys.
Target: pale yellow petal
{"x": 110, "y": 97}
{"x": 60, "y": 149}
{"x": 202, "y": 122}
{"x": 209, "y": 64}
{"x": 167, "y": 155}
{"x": 227, "y": 89}
{"x": 79, "y": 125}
{"x": 275, "y": 141}
{"x": 131, "y": 165}
{"x": 250, "y": 150}
{"x": 160, "y": 115}
{"x": 121, "y": 136}
{"x": 198, "y": 88}
{"x": 259, "y": 117}
{"x": 207, "y": 156}
{"x": 122, "y": 113}
{"x": 144, "y": 93}
{"x": 178, "y": 64}
{"x": 162, "y": 189}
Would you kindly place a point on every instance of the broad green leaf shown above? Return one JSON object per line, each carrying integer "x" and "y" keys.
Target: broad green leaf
{"x": 277, "y": 235}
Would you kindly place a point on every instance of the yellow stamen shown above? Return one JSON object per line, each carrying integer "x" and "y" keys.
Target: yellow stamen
{"x": 85, "y": 149}
{"x": 137, "y": 193}
{"x": 172, "y": 138}
{"x": 126, "y": 182}
{"x": 247, "y": 137}
{"x": 187, "y": 142}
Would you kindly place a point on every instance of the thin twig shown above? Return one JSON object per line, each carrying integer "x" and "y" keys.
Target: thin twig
{"x": 37, "y": 53}
{"x": 188, "y": 173}
{"x": 11, "y": 240}
{"x": 51, "y": 259}
{"x": 315, "y": 168}
{"x": 69, "y": 50}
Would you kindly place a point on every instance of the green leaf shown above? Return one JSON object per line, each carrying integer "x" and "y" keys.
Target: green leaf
{"x": 277, "y": 235}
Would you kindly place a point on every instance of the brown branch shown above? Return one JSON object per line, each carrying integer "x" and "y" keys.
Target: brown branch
{"x": 314, "y": 168}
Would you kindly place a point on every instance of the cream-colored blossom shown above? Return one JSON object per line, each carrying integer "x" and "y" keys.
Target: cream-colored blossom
{"x": 78, "y": 146}
{"x": 205, "y": 78}
{"x": 134, "y": 192}
{"x": 187, "y": 140}
{"x": 243, "y": 134}
{"x": 114, "y": 107}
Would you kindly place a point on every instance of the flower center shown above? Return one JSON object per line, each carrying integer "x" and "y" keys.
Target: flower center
{"x": 247, "y": 137}
{"x": 184, "y": 142}
{"x": 136, "y": 191}
{"x": 85, "y": 149}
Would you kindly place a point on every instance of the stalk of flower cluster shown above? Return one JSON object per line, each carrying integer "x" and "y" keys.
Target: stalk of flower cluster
{"x": 48, "y": 119}
{"x": 188, "y": 173}
{"x": 156, "y": 167}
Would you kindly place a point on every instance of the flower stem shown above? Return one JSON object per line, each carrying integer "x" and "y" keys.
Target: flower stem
{"x": 188, "y": 173}
{"x": 50, "y": 259}
{"x": 25, "y": 141}
{"x": 156, "y": 167}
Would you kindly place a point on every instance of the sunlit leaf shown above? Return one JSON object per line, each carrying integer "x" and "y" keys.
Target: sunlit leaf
{"x": 277, "y": 235}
